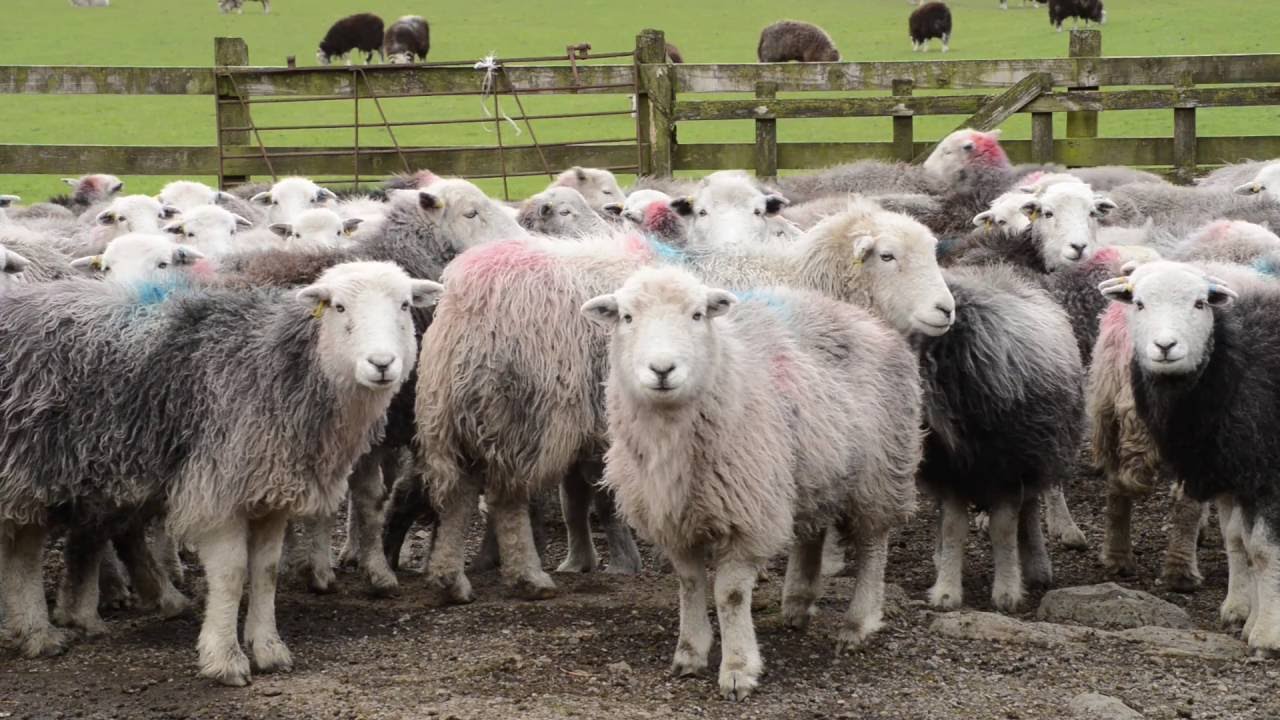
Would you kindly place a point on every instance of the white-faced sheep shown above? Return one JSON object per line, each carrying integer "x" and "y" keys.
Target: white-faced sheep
{"x": 930, "y": 20}
{"x": 560, "y": 211}
{"x": 728, "y": 209}
{"x": 7, "y": 201}
{"x": 1087, "y": 10}
{"x": 291, "y": 196}
{"x": 407, "y": 38}
{"x": 1230, "y": 177}
{"x": 214, "y": 231}
{"x": 1204, "y": 363}
{"x": 317, "y": 228}
{"x": 835, "y": 398}
{"x": 226, "y": 6}
{"x": 187, "y": 195}
{"x": 789, "y": 40}
{"x": 1267, "y": 180}
{"x": 333, "y": 353}
{"x": 633, "y": 207}
{"x": 134, "y": 258}
{"x": 362, "y": 31}
{"x": 599, "y": 187}
{"x": 98, "y": 225}
{"x": 27, "y": 257}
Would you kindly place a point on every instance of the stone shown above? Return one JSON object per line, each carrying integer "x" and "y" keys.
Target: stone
{"x": 1002, "y": 628}
{"x": 1101, "y": 707}
{"x": 619, "y": 668}
{"x": 1110, "y": 606}
{"x": 1186, "y": 643}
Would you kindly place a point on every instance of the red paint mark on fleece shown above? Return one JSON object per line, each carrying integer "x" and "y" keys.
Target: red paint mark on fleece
{"x": 501, "y": 258}
{"x": 636, "y": 245}
{"x": 661, "y": 220}
{"x": 204, "y": 269}
{"x": 987, "y": 151}
{"x": 1219, "y": 230}
{"x": 1033, "y": 177}
{"x": 1113, "y": 335}
{"x": 1105, "y": 256}
{"x": 423, "y": 178}
{"x": 780, "y": 373}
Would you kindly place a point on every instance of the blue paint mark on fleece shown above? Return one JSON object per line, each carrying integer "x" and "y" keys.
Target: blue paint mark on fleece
{"x": 1267, "y": 266}
{"x": 778, "y": 304}
{"x": 665, "y": 252}
{"x": 154, "y": 292}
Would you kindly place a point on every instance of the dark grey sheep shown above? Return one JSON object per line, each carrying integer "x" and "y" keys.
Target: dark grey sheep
{"x": 362, "y": 31}
{"x": 930, "y": 20}
{"x": 789, "y": 40}
{"x": 407, "y": 38}
{"x": 1087, "y": 10}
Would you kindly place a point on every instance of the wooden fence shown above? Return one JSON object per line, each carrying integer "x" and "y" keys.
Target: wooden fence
{"x": 978, "y": 93}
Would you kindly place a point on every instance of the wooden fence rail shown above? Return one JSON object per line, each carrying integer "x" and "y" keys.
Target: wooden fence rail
{"x": 978, "y": 93}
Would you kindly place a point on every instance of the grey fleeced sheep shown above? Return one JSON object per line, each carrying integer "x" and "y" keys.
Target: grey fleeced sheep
{"x": 561, "y": 211}
{"x": 88, "y": 190}
{"x": 930, "y": 20}
{"x": 1087, "y": 10}
{"x": 362, "y": 31}
{"x": 789, "y": 40}
{"x": 833, "y": 400}
{"x": 1179, "y": 210}
{"x": 26, "y": 257}
{"x": 599, "y": 187}
{"x": 407, "y": 39}
{"x": 196, "y": 433}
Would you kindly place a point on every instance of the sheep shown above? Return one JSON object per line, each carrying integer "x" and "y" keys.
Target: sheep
{"x": 26, "y": 257}
{"x": 670, "y": 186}
{"x": 133, "y": 258}
{"x": 362, "y": 31}
{"x": 1267, "y": 181}
{"x": 1062, "y": 228}
{"x": 1106, "y": 177}
{"x": 99, "y": 225}
{"x": 7, "y": 201}
{"x": 930, "y": 20}
{"x": 1230, "y": 177}
{"x": 789, "y": 40}
{"x": 333, "y": 353}
{"x": 317, "y": 228}
{"x": 560, "y": 211}
{"x": 729, "y": 208}
{"x": 1202, "y": 369}
{"x": 1060, "y": 10}
{"x": 1181, "y": 209}
{"x": 226, "y": 6}
{"x": 291, "y": 196}
{"x": 834, "y": 402}
{"x": 1231, "y": 241}
{"x": 406, "y": 39}
{"x": 187, "y": 195}
{"x": 599, "y": 187}
{"x": 90, "y": 3}
{"x": 633, "y": 207}
{"x": 674, "y": 55}
{"x": 212, "y": 230}
{"x": 89, "y": 190}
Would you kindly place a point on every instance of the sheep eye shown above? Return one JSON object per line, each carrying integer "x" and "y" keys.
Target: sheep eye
{"x": 758, "y": 212}
{"x": 626, "y": 318}
{"x": 606, "y": 192}
{"x": 106, "y": 270}
{"x": 1139, "y": 304}
{"x": 566, "y": 212}
{"x": 340, "y": 308}
{"x": 1199, "y": 304}
{"x": 697, "y": 316}
{"x": 1002, "y": 222}
{"x": 702, "y": 213}
{"x": 470, "y": 214}
{"x": 275, "y": 203}
{"x": 887, "y": 257}
{"x": 191, "y": 234}
{"x": 162, "y": 265}
{"x": 405, "y": 306}
{"x": 1048, "y": 214}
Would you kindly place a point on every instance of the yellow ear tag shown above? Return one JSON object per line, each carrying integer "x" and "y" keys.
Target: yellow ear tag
{"x": 1128, "y": 287}
{"x": 319, "y": 311}
{"x": 97, "y": 262}
{"x": 1034, "y": 215}
{"x": 987, "y": 223}
{"x": 347, "y": 231}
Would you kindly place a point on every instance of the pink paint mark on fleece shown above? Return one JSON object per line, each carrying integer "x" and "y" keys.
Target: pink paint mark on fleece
{"x": 204, "y": 269}
{"x": 635, "y": 245}
{"x": 1219, "y": 230}
{"x": 1032, "y": 178}
{"x": 987, "y": 151}
{"x": 661, "y": 220}
{"x": 423, "y": 178}
{"x": 1113, "y": 335}
{"x": 780, "y": 372}
{"x": 501, "y": 258}
{"x": 1105, "y": 256}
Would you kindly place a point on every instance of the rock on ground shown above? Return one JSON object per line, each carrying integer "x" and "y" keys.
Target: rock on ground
{"x": 1101, "y": 707}
{"x": 1002, "y": 628}
{"x": 1109, "y": 605}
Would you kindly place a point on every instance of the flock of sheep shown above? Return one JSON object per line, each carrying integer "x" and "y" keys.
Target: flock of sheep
{"x": 735, "y": 370}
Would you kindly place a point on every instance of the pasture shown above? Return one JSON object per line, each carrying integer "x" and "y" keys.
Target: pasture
{"x": 161, "y": 33}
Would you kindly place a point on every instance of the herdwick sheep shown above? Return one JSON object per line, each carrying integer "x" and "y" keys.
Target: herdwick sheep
{"x": 333, "y": 353}
{"x": 674, "y": 55}
{"x": 212, "y": 230}
{"x": 318, "y": 228}
{"x": 1106, "y": 177}
{"x": 930, "y": 20}
{"x": 186, "y": 195}
{"x": 407, "y": 38}
{"x": 134, "y": 258}
{"x": 661, "y": 222}
{"x": 28, "y": 258}
{"x": 1179, "y": 210}
{"x": 1204, "y": 356}
{"x": 291, "y": 196}
{"x": 670, "y": 186}
{"x": 632, "y": 208}
{"x": 88, "y": 190}
{"x": 226, "y": 6}
{"x": 362, "y": 31}
{"x": 789, "y": 40}
{"x": 835, "y": 399}
{"x": 729, "y": 208}
{"x": 560, "y": 211}
{"x": 599, "y": 187}
{"x": 1267, "y": 181}
{"x": 1230, "y": 177}
{"x": 99, "y": 225}
{"x": 5, "y": 202}
{"x": 1087, "y": 10}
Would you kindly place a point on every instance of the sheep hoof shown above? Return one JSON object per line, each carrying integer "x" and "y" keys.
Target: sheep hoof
{"x": 271, "y": 655}
{"x": 1122, "y": 565}
{"x": 228, "y": 667}
{"x": 382, "y": 584}
{"x": 116, "y": 598}
{"x": 173, "y": 605}
{"x": 1007, "y": 601}
{"x": 854, "y": 635}
{"x": 736, "y": 685}
{"x": 688, "y": 667}
{"x": 577, "y": 565}
{"x": 322, "y": 581}
{"x": 1071, "y": 538}
{"x": 945, "y": 598}
{"x": 347, "y": 557}
{"x": 798, "y": 612}
{"x": 1234, "y": 613}
{"x": 454, "y": 590}
{"x": 1183, "y": 581}
{"x": 1038, "y": 577}
{"x": 535, "y": 588}
{"x": 47, "y": 642}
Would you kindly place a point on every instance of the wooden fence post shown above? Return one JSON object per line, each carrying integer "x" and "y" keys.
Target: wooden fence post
{"x": 230, "y": 52}
{"x": 904, "y": 140}
{"x": 1184, "y": 134}
{"x": 1042, "y": 137}
{"x": 655, "y": 102}
{"x": 1084, "y": 44}
{"x": 766, "y": 135}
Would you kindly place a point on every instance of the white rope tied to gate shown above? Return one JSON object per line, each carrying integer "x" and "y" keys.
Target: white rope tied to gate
{"x": 490, "y": 66}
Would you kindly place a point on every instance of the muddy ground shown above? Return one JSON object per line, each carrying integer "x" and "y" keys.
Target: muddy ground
{"x": 358, "y": 657}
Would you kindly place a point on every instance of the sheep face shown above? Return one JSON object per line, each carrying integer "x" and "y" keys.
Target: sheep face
{"x": 465, "y": 215}
{"x": 400, "y": 58}
{"x": 728, "y": 210}
{"x": 664, "y": 346}
{"x": 6, "y": 201}
{"x": 1266, "y": 182}
{"x": 186, "y": 195}
{"x": 599, "y": 187}
{"x": 1005, "y": 214}
{"x": 319, "y": 228}
{"x": 11, "y": 263}
{"x": 632, "y": 208}
{"x": 1171, "y": 315}
{"x": 1064, "y": 219}
{"x": 137, "y": 214}
{"x": 898, "y": 264}
{"x": 209, "y": 228}
{"x": 962, "y": 149}
{"x": 90, "y": 189}
{"x": 139, "y": 257}
{"x": 560, "y": 211}
{"x": 365, "y": 326}
{"x": 290, "y": 196}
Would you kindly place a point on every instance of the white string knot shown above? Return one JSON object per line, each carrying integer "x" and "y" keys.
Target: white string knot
{"x": 489, "y": 64}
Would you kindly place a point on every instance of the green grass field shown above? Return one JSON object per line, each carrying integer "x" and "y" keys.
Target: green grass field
{"x": 181, "y": 32}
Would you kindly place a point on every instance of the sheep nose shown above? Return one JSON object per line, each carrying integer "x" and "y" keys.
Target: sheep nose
{"x": 946, "y": 310}
{"x": 1079, "y": 247}
{"x": 381, "y": 361}
{"x": 662, "y": 370}
{"x": 1165, "y": 347}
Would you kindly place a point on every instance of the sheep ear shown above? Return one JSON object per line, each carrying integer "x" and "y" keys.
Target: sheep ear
{"x": 222, "y": 198}
{"x": 985, "y": 218}
{"x": 429, "y": 201}
{"x": 425, "y": 292}
{"x": 614, "y": 209}
{"x": 169, "y": 212}
{"x": 683, "y": 206}
{"x": 262, "y": 198}
{"x": 1249, "y": 188}
{"x": 281, "y": 229}
{"x": 88, "y": 265}
{"x": 1117, "y": 289}
{"x": 175, "y": 228}
{"x": 773, "y": 203}
{"x": 183, "y": 255}
{"x": 7, "y": 200}
{"x": 70, "y": 181}
{"x": 1102, "y": 205}
{"x": 316, "y": 297}
{"x": 602, "y": 310}
{"x": 242, "y": 221}
{"x": 13, "y": 262}
{"x": 579, "y": 173}
{"x": 115, "y": 188}
{"x": 1128, "y": 268}
{"x": 545, "y": 209}
{"x": 324, "y": 194}
{"x": 862, "y": 247}
{"x": 1220, "y": 295}
{"x": 994, "y": 134}
{"x": 106, "y": 217}
{"x": 350, "y": 225}
{"x": 719, "y": 302}
{"x": 1031, "y": 209}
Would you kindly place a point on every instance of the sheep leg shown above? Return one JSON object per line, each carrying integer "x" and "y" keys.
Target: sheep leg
{"x": 366, "y": 520}
{"x": 1181, "y": 571}
{"x": 740, "y": 663}
{"x": 1264, "y": 560}
{"x": 318, "y": 534}
{"x": 348, "y": 556}
{"x": 1117, "y": 546}
{"x": 155, "y": 585}
{"x": 224, "y": 554}
{"x": 1255, "y": 590}
{"x": 866, "y": 611}
{"x": 575, "y": 501}
{"x": 947, "y": 592}
{"x": 77, "y": 605}
{"x": 1006, "y": 589}
{"x": 695, "y": 629}
{"x": 166, "y": 551}
{"x": 25, "y": 611}
{"x": 445, "y": 564}
{"x": 624, "y": 556}
{"x": 833, "y": 561}
{"x": 1062, "y": 527}
{"x": 1235, "y": 608}
{"x": 1037, "y": 569}
{"x": 487, "y": 557}
{"x": 802, "y": 585}
{"x": 266, "y": 540}
{"x": 521, "y": 566}
{"x": 113, "y": 581}
{"x": 408, "y": 502}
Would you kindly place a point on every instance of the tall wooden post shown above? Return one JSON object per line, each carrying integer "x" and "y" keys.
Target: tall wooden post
{"x": 766, "y": 135}
{"x": 230, "y": 52}
{"x": 1184, "y": 134}
{"x": 655, "y": 102}
{"x": 1084, "y": 44}
{"x": 1042, "y": 137}
{"x": 904, "y": 141}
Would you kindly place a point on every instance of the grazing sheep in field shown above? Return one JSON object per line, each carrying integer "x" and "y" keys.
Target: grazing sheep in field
{"x": 88, "y": 190}
{"x": 332, "y": 354}
{"x": 290, "y": 196}
{"x": 930, "y": 20}
{"x": 674, "y": 55}
{"x": 789, "y": 40}
{"x": 407, "y": 38}
{"x": 362, "y": 31}
{"x": 835, "y": 400}
{"x": 599, "y": 187}
{"x": 135, "y": 258}
{"x": 212, "y": 230}
{"x": 560, "y": 211}
{"x": 1203, "y": 369}
{"x": 90, "y": 3}
{"x": 226, "y": 6}
{"x": 1087, "y": 10}
{"x": 318, "y": 228}
{"x": 1004, "y": 4}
